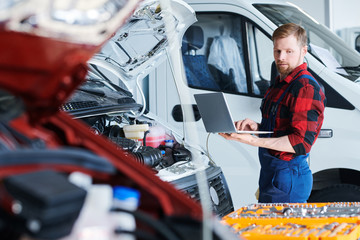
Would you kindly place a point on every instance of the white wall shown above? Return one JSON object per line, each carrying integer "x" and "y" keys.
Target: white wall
{"x": 346, "y": 13}
{"x": 343, "y": 13}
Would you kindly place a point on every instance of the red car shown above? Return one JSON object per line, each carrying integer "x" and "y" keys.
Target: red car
{"x": 45, "y": 51}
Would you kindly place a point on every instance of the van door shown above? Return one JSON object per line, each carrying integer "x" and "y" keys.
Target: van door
{"x": 223, "y": 51}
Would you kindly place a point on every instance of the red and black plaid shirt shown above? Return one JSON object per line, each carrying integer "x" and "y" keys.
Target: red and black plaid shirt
{"x": 300, "y": 114}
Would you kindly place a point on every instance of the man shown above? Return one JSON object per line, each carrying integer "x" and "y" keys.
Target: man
{"x": 293, "y": 108}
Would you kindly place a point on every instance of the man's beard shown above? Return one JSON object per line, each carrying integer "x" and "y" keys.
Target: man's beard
{"x": 284, "y": 71}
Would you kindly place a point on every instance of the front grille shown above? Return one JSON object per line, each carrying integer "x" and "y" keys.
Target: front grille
{"x": 216, "y": 180}
{"x": 225, "y": 205}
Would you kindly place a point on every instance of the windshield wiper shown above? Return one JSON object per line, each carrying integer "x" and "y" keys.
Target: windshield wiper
{"x": 350, "y": 67}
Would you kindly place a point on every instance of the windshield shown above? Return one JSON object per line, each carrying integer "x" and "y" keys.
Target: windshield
{"x": 323, "y": 44}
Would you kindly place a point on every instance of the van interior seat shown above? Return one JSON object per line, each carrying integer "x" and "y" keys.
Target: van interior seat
{"x": 196, "y": 67}
{"x": 225, "y": 56}
{"x": 224, "y": 80}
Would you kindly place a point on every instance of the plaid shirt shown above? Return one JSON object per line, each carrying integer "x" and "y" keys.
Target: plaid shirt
{"x": 300, "y": 114}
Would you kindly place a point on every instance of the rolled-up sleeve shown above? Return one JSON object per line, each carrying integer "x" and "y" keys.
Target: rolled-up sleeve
{"x": 307, "y": 117}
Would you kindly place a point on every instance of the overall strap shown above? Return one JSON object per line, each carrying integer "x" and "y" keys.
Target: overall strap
{"x": 275, "y": 107}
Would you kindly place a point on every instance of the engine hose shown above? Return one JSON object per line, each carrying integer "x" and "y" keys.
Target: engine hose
{"x": 148, "y": 156}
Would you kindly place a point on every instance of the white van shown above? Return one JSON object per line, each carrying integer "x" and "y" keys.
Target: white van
{"x": 229, "y": 49}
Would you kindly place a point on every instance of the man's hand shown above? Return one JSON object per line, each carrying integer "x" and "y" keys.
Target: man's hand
{"x": 247, "y": 124}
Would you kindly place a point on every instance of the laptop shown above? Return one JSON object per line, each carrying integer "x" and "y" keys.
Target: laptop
{"x": 215, "y": 114}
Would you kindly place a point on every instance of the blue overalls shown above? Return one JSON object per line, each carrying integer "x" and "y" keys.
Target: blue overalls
{"x": 283, "y": 181}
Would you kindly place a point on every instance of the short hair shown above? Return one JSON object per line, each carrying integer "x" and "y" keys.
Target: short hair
{"x": 289, "y": 29}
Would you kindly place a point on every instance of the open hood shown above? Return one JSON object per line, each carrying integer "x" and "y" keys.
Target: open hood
{"x": 141, "y": 45}
{"x": 43, "y": 61}
{"x": 131, "y": 53}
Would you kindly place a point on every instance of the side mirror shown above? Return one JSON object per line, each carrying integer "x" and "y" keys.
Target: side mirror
{"x": 357, "y": 43}
{"x": 177, "y": 113}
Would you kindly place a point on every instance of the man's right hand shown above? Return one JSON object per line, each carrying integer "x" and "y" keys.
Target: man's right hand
{"x": 247, "y": 124}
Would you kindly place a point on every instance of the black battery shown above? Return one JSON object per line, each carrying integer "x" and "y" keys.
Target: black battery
{"x": 45, "y": 202}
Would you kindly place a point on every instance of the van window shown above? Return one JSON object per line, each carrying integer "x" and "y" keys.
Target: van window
{"x": 213, "y": 54}
{"x": 261, "y": 58}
